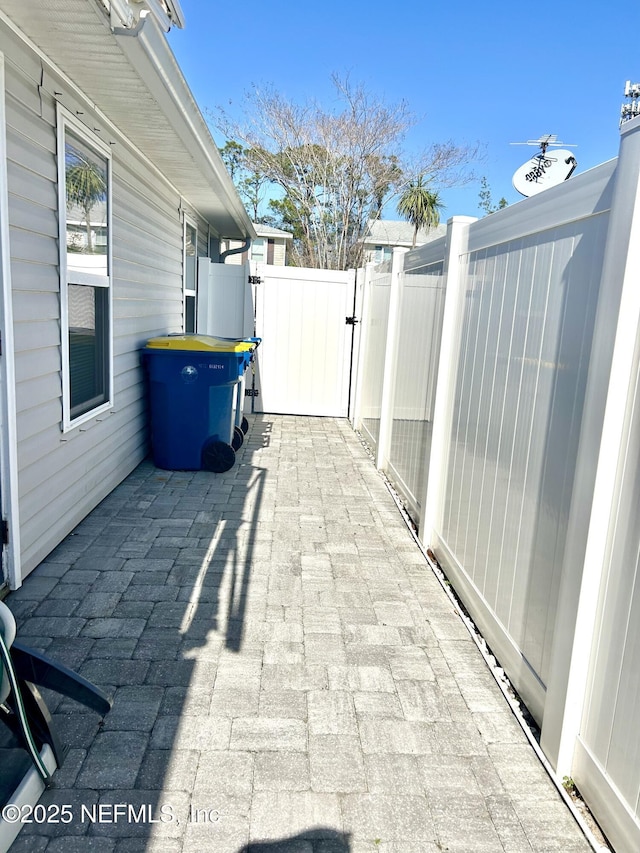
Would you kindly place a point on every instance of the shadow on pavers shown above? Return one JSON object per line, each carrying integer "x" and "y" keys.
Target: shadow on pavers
{"x": 131, "y": 599}
{"x": 318, "y": 840}
{"x": 225, "y": 558}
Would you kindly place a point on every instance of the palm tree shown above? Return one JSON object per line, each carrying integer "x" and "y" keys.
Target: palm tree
{"x": 420, "y": 206}
{"x": 86, "y": 185}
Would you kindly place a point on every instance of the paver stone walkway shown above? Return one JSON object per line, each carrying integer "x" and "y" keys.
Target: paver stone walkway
{"x": 288, "y": 674}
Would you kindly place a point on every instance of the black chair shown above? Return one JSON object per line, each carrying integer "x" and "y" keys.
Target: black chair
{"x": 32, "y": 750}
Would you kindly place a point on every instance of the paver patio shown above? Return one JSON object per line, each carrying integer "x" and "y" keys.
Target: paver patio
{"x": 288, "y": 673}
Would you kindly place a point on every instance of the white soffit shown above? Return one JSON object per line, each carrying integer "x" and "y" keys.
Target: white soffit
{"x": 135, "y": 81}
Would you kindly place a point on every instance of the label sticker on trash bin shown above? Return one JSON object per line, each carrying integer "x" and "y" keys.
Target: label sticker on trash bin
{"x": 189, "y": 374}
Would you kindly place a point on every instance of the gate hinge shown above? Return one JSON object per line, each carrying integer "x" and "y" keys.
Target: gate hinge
{"x": 255, "y": 279}
{"x": 251, "y": 392}
{"x": 351, "y": 321}
{"x": 4, "y": 531}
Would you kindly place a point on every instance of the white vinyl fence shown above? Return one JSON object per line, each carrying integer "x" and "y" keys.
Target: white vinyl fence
{"x": 498, "y": 383}
{"x": 373, "y": 341}
{"x": 413, "y": 393}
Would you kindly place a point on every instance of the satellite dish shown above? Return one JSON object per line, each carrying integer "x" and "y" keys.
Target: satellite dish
{"x": 545, "y": 169}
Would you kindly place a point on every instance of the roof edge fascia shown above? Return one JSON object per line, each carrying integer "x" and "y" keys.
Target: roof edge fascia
{"x": 153, "y": 60}
{"x": 245, "y": 226}
{"x": 81, "y": 96}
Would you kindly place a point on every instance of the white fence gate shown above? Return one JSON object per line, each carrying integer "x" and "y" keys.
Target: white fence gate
{"x": 303, "y": 365}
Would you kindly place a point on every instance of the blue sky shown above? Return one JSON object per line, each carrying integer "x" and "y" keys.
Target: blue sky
{"x": 497, "y": 72}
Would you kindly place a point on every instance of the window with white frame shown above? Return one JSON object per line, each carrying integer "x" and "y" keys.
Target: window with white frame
{"x": 85, "y": 264}
{"x": 190, "y": 281}
{"x": 382, "y": 254}
{"x": 259, "y": 250}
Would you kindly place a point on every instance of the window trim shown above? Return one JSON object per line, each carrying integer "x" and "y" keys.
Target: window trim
{"x": 188, "y": 222}
{"x": 67, "y": 122}
{"x": 382, "y": 254}
{"x": 262, "y": 255}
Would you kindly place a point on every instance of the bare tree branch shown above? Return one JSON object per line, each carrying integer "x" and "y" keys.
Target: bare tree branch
{"x": 338, "y": 167}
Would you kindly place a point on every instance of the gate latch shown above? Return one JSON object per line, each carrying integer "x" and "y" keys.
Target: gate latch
{"x": 255, "y": 279}
{"x": 351, "y": 321}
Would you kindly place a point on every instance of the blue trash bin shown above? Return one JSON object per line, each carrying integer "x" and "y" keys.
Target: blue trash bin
{"x": 192, "y": 389}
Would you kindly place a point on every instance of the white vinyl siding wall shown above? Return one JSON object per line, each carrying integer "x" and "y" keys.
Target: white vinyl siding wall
{"x": 62, "y": 476}
{"x": 279, "y": 253}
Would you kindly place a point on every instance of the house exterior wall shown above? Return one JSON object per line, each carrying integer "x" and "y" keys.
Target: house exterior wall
{"x": 279, "y": 253}
{"x": 63, "y": 475}
{"x": 377, "y": 254}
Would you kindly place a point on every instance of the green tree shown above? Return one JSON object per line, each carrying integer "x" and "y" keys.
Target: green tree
{"x": 245, "y": 169}
{"x": 486, "y": 202}
{"x": 420, "y": 206}
{"x": 387, "y": 175}
{"x": 233, "y": 155}
{"x": 253, "y": 183}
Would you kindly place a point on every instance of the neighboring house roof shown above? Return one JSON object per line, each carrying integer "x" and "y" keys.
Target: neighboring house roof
{"x": 270, "y": 231}
{"x": 393, "y": 232}
{"x": 134, "y": 80}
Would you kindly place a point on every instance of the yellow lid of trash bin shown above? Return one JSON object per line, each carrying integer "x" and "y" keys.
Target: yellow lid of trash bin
{"x": 200, "y": 343}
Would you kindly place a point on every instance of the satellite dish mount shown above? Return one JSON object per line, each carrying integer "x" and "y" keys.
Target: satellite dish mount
{"x": 545, "y": 169}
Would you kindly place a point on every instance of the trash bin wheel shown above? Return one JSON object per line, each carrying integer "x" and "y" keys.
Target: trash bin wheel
{"x": 244, "y": 426}
{"x": 238, "y": 438}
{"x": 217, "y": 456}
